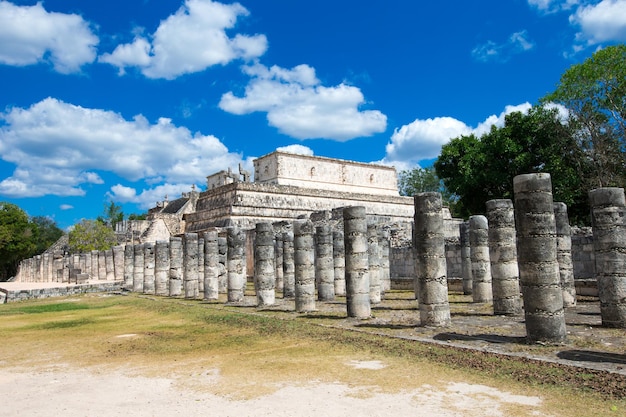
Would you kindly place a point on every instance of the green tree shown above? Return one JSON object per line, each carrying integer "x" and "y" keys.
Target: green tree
{"x": 481, "y": 169}
{"x": 17, "y": 238}
{"x": 418, "y": 180}
{"x": 91, "y": 235}
{"x": 112, "y": 214}
{"x": 47, "y": 233}
{"x": 135, "y": 216}
{"x": 594, "y": 93}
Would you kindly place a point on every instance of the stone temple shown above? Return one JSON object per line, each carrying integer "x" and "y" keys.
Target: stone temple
{"x": 285, "y": 187}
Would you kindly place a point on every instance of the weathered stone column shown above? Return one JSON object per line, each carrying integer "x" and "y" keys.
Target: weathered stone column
{"x": 503, "y": 256}
{"x": 536, "y": 255}
{"x": 466, "y": 259}
{"x": 236, "y": 240}
{"x": 264, "y": 269}
{"x": 211, "y": 266}
{"x": 609, "y": 246}
{"x": 176, "y": 266}
{"x": 161, "y": 268}
{"x": 201, "y": 266}
{"x": 148, "y": 272}
{"x": 373, "y": 264}
{"x": 102, "y": 265}
{"x": 278, "y": 254}
{"x": 95, "y": 264}
{"x": 324, "y": 268}
{"x": 222, "y": 278}
{"x": 385, "y": 250}
{"x": 304, "y": 266}
{"x": 430, "y": 260}
{"x": 339, "y": 263}
{"x": 118, "y": 262}
{"x": 190, "y": 265}
{"x": 109, "y": 265}
{"x": 289, "y": 277}
{"x": 87, "y": 269}
{"x": 138, "y": 268}
{"x": 479, "y": 253}
{"x": 564, "y": 254}
{"x": 129, "y": 255}
{"x": 357, "y": 265}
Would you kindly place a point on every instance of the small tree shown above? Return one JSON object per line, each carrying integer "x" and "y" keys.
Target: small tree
{"x": 47, "y": 233}
{"x": 17, "y": 238}
{"x": 112, "y": 214}
{"x": 419, "y": 180}
{"x": 91, "y": 235}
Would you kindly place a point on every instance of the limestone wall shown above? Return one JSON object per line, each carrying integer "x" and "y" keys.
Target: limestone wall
{"x": 325, "y": 174}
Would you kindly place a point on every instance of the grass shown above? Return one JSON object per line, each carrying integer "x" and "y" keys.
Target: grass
{"x": 254, "y": 353}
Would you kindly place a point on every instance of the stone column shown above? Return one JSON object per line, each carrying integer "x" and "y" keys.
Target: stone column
{"x": 109, "y": 265}
{"x": 138, "y": 268}
{"x": 88, "y": 264}
{"x": 129, "y": 259}
{"x": 339, "y": 263}
{"x": 324, "y": 269}
{"x": 222, "y": 278}
{"x": 264, "y": 269}
{"x": 148, "y": 271}
{"x": 278, "y": 255}
{"x": 466, "y": 259}
{"x": 482, "y": 291}
{"x": 211, "y": 266}
{"x": 536, "y": 255}
{"x": 118, "y": 262}
{"x": 564, "y": 254}
{"x": 609, "y": 247}
{"x": 161, "y": 268}
{"x": 176, "y": 266}
{"x": 385, "y": 250}
{"x": 190, "y": 265}
{"x": 304, "y": 265}
{"x": 430, "y": 260}
{"x": 201, "y": 266}
{"x": 373, "y": 264}
{"x": 236, "y": 240}
{"x": 289, "y": 277}
{"x": 95, "y": 264}
{"x": 357, "y": 271}
{"x": 102, "y": 265}
{"x": 503, "y": 256}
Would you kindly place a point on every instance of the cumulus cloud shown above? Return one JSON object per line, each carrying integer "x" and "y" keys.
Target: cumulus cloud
{"x": 517, "y": 43}
{"x": 602, "y": 22}
{"x": 551, "y": 6}
{"x": 423, "y": 138}
{"x": 30, "y": 35}
{"x": 58, "y": 147}
{"x": 299, "y": 106}
{"x": 191, "y": 40}
{"x": 296, "y": 149}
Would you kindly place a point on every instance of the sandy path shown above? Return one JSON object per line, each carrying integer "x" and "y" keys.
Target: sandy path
{"x": 70, "y": 392}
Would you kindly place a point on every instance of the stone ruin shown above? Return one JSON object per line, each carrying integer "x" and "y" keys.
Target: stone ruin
{"x": 361, "y": 251}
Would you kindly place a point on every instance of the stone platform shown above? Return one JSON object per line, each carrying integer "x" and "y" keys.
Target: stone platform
{"x": 20, "y": 291}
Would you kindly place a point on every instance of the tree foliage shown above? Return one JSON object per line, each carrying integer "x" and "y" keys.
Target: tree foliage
{"x": 91, "y": 235}
{"x": 17, "y": 238}
{"x": 478, "y": 169}
{"x": 47, "y": 233}
{"x": 112, "y": 214}
{"x": 418, "y": 180}
{"x": 594, "y": 93}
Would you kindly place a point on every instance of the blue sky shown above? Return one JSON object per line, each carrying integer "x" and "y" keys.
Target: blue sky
{"x": 132, "y": 100}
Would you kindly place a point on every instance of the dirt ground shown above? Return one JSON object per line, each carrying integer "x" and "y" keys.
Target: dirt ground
{"x": 64, "y": 389}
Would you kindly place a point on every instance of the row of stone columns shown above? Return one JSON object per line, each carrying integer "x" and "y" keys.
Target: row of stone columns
{"x": 59, "y": 267}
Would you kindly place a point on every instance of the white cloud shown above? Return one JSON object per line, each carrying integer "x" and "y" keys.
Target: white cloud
{"x": 296, "y": 149}
{"x": 191, "y": 40}
{"x": 517, "y": 43}
{"x": 602, "y": 22}
{"x": 65, "y": 207}
{"x": 299, "y": 106}
{"x": 551, "y": 6}
{"x": 57, "y": 147}
{"x": 423, "y": 139}
{"x": 30, "y": 35}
